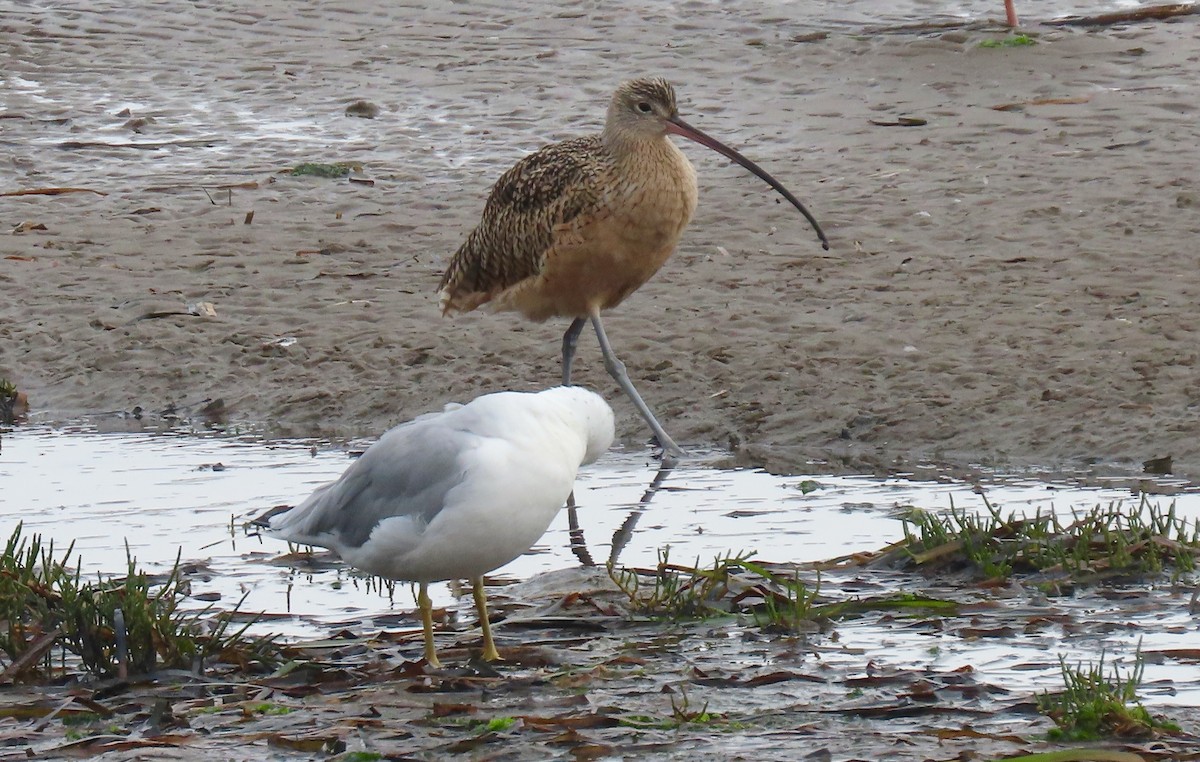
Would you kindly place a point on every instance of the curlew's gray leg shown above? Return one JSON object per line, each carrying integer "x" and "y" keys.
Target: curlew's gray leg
{"x": 570, "y": 340}
{"x": 616, "y": 369}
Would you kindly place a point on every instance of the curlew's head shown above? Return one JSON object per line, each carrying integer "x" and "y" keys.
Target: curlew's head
{"x": 644, "y": 109}
{"x": 641, "y": 108}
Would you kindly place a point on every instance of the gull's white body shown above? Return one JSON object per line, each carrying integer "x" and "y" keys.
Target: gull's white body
{"x": 456, "y": 494}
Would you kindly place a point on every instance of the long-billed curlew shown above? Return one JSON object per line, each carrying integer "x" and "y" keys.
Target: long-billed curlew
{"x": 453, "y": 495}
{"x": 574, "y": 228}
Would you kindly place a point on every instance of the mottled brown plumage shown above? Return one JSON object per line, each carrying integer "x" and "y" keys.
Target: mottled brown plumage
{"x": 578, "y": 226}
{"x": 547, "y": 189}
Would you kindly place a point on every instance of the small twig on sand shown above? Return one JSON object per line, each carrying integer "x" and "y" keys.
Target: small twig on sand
{"x": 76, "y": 144}
{"x": 1153, "y": 13}
{"x": 51, "y": 192}
{"x": 33, "y": 652}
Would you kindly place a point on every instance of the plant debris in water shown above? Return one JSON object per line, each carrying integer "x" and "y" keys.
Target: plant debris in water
{"x": 738, "y": 658}
{"x": 778, "y": 600}
{"x": 1094, "y": 707}
{"x": 109, "y": 627}
{"x": 1103, "y": 543}
{"x": 13, "y": 403}
{"x": 333, "y": 170}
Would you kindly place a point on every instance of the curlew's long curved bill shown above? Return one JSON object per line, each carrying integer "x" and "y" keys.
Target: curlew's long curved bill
{"x": 677, "y": 126}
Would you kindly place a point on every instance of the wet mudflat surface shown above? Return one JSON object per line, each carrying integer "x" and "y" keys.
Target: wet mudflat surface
{"x": 191, "y": 263}
{"x": 587, "y": 674}
{"x": 188, "y": 115}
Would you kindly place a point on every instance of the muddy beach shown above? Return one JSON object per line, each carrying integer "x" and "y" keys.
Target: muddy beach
{"x": 1009, "y": 282}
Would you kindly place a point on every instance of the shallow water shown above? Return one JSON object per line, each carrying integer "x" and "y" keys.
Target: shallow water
{"x": 164, "y": 494}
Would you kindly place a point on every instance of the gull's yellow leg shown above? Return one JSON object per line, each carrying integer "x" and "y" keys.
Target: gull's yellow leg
{"x": 426, "y": 607}
{"x": 489, "y": 647}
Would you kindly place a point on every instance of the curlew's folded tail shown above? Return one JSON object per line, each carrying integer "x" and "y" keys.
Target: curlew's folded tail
{"x": 451, "y": 302}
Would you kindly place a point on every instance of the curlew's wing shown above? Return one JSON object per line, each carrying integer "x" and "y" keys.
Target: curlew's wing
{"x": 528, "y": 207}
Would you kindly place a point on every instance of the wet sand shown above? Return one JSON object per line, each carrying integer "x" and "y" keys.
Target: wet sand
{"x": 1008, "y": 287}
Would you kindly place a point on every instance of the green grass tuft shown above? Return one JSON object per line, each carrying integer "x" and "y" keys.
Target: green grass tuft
{"x": 497, "y": 724}
{"x": 1094, "y": 707}
{"x": 1103, "y": 543}
{"x": 679, "y": 592}
{"x": 108, "y": 623}
{"x": 1014, "y": 41}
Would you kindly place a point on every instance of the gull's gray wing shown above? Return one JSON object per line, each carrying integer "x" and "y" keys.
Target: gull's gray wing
{"x": 408, "y": 472}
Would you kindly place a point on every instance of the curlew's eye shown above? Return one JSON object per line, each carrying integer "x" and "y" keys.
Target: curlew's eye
{"x": 644, "y": 107}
